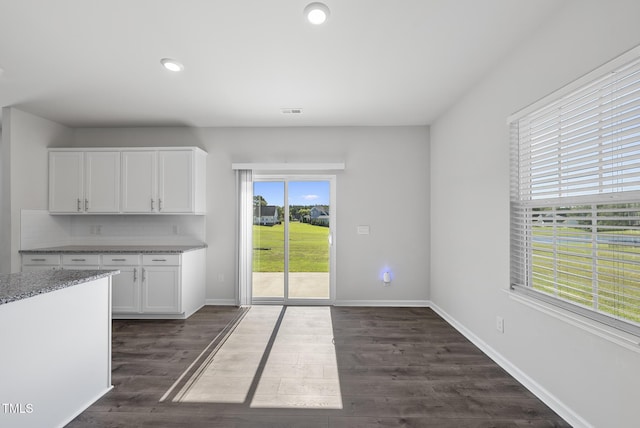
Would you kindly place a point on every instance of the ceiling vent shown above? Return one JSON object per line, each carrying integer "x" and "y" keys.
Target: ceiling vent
{"x": 291, "y": 111}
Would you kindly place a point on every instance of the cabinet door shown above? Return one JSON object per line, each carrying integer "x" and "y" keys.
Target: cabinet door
{"x": 160, "y": 289}
{"x": 102, "y": 182}
{"x": 66, "y": 177}
{"x": 139, "y": 184}
{"x": 125, "y": 290}
{"x": 175, "y": 176}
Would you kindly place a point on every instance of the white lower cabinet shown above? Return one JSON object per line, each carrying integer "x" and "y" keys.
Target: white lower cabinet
{"x": 125, "y": 287}
{"x": 161, "y": 283}
{"x": 148, "y": 286}
{"x": 161, "y": 289}
{"x": 157, "y": 285}
{"x": 125, "y": 290}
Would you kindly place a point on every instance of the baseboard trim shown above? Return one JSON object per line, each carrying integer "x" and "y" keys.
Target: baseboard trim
{"x": 220, "y": 302}
{"x": 396, "y": 303}
{"x": 538, "y": 390}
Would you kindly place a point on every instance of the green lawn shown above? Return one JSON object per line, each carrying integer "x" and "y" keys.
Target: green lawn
{"x": 618, "y": 285}
{"x": 308, "y": 248}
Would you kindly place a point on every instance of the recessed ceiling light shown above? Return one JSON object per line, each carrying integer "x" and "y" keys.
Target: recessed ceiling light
{"x": 171, "y": 64}
{"x": 316, "y": 13}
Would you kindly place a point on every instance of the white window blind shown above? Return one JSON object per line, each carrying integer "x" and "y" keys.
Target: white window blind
{"x": 575, "y": 199}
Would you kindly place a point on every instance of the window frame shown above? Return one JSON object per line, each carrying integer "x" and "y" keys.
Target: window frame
{"x": 521, "y": 215}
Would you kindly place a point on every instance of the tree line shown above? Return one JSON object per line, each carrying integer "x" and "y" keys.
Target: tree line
{"x": 296, "y": 212}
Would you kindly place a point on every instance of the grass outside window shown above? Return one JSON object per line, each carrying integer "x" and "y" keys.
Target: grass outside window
{"x": 592, "y": 273}
{"x": 308, "y": 248}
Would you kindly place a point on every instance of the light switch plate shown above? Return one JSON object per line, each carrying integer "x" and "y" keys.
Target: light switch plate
{"x": 363, "y": 229}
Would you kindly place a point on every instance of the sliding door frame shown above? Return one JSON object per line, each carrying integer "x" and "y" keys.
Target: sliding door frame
{"x": 286, "y": 178}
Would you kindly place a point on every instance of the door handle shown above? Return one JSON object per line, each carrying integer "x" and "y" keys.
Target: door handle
{"x": 135, "y": 274}
{"x": 86, "y": 204}
{"x": 144, "y": 275}
{"x": 159, "y": 204}
{"x": 152, "y": 208}
{"x": 79, "y": 207}
{"x": 78, "y": 260}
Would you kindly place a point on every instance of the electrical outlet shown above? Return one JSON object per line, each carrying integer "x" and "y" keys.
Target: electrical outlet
{"x": 500, "y": 324}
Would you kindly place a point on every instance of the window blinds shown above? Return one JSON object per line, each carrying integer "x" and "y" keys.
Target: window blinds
{"x": 575, "y": 198}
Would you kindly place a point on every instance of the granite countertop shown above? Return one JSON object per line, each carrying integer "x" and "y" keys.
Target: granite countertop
{"x": 116, "y": 249}
{"x": 18, "y": 286}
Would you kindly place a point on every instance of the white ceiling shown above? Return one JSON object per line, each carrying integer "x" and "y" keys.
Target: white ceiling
{"x": 86, "y": 63}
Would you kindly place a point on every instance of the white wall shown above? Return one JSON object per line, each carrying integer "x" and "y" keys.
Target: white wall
{"x": 385, "y": 185}
{"x": 39, "y": 229}
{"x": 594, "y": 379}
{"x": 25, "y": 138}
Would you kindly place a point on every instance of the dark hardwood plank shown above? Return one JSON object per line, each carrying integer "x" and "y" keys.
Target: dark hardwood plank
{"x": 429, "y": 422}
{"x": 398, "y": 367}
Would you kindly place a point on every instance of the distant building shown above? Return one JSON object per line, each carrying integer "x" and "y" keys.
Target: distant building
{"x": 266, "y": 215}
{"x": 319, "y": 215}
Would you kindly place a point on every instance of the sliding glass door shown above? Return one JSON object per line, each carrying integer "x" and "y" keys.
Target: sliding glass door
{"x": 268, "y": 240}
{"x": 293, "y": 224}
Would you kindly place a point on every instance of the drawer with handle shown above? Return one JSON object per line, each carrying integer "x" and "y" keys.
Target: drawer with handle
{"x": 120, "y": 259}
{"x": 40, "y": 259}
{"x": 161, "y": 259}
{"x": 80, "y": 259}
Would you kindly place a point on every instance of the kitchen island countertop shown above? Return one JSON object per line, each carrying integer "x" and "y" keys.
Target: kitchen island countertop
{"x": 18, "y": 286}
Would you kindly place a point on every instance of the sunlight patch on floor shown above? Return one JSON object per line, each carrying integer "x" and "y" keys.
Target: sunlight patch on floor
{"x": 227, "y": 377}
{"x": 295, "y": 369}
{"x": 301, "y": 371}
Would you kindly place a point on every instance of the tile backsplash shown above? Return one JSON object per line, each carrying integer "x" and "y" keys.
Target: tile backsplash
{"x": 39, "y": 229}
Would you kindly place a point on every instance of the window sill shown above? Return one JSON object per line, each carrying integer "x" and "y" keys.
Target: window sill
{"x": 621, "y": 338}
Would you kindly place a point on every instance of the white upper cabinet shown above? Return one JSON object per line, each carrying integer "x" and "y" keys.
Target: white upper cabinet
{"x": 164, "y": 181}
{"x": 84, "y": 182}
{"x": 152, "y": 180}
{"x": 139, "y": 182}
{"x": 175, "y": 182}
{"x": 102, "y": 182}
{"x": 66, "y": 182}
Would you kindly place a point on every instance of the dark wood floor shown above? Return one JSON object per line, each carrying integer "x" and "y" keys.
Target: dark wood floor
{"x": 398, "y": 367}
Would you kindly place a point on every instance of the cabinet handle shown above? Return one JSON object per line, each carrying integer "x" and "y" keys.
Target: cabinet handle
{"x": 135, "y": 274}
{"x": 86, "y": 204}
{"x": 118, "y": 260}
{"x": 158, "y": 260}
{"x": 152, "y": 204}
{"x": 38, "y": 260}
{"x": 78, "y": 260}
{"x": 159, "y": 204}
{"x": 79, "y": 207}
{"x": 144, "y": 275}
